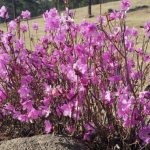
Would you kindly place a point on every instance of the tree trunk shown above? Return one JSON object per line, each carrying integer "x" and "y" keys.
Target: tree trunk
{"x": 100, "y": 2}
{"x": 14, "y": 8}
{"x": 89, "y": 8}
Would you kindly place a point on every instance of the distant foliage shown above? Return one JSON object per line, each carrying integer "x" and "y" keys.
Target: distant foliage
{"x": 86, "y": 80}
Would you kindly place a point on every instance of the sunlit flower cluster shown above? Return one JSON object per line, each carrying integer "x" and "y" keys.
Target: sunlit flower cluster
{"x": 86, "y": 77}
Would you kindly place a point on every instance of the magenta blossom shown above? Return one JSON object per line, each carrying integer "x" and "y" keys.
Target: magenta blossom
{"x": 24, "y": 27}
{"x": 144, "y": 134}
{"x": 19, "y": 44}
{"x": 3, "y": 12}
{"x": 44, "y": 111}
{"x": 24, "y": 92}
{"x": 147, "y": 28}
{"x": 67, "y": 109}
{"x": 33, "y": 114}
{"x": 84, "y": 78}
{"x": 23, "y": 118}
{"x": 27, "y": 105}
{"x": 2, "y": 96}
{"x": 12, "y": 25}
{"x": 26, "y": 14}
{"x": 70, "y": 129}
{"x": 48, "y": 126}
{"x": 125, "y": 5}
{"x": 87, "y": 136}
{"x": 90, "y": 130}
{"x": 102, "y": 20}
{"x": 35, "y": 26}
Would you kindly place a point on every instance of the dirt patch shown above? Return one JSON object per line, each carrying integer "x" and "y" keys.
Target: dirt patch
{"x": 110, "y": 10}
{"x": 138, "y": 8}
{"x": 42, "y": 142}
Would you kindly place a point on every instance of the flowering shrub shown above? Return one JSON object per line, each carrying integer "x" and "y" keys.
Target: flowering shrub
{"x": 86, "y": 80}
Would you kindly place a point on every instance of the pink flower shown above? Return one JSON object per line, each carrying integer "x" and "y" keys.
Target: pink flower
{"x": 7, "y": 38}
{"x": 125, "y": 5}
{"x": 134, "y": 32}
{"x": 5, "y": 58}
{"x": 90, "y": 127}
{"x": 91, "y": 28}
{"x": 147, "y": 28}
{"x": 76, "y": 115}
{"x": 147, "y": 58}
{"x": 3, "y": 12}
{"x": 16, "y": 114}
{"x": 135, "y": 75}
{"x": 19, "y": 44}
{"x": 144, "y": 134}
{"x": 80, "y": 67}
{"x": 55, "y": 92}
{"x": 115, "y": 78}
{"x": 67, "y": 109}
{"x": 47, "y": 89}
{"x": 113, "y": 15}
{"x": 52, "y": 13}
{"x": 23, "y": 118}
{"x": 75, "y": 75}
{"x": 131, "y": 32}
{"x": 48, "y": 126}
{"x": 33, "y": 114}
{"x": 44, "y": 111}
{"x": 87, "y": 136}
{"x": 101, "y": 20}
{"x": 24, "y": 92}
{"x": 71, "y": 75}
{"x": 35, "y": 26}
{"x": 70, "y": 129}
{"x": 27, "y": 105}
{"x": 9, "y": 107}
{"x": 108, "y": 96}
{"x": 124, "y": 110}
{"x": 52, "y": 20}
{"x": 2, "y": 96}
{"x": 24, "y": 27}
{"x": 26, "y": 14}
{"x": 46, "y": 101}
{"x": 12, "y": 25}
{"x": 90, "y": 130}
{"x": 129, "y": 45}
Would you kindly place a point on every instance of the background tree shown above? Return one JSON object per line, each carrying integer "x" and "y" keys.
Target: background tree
{"x": 89, "y": 8}
{"x": 37, "y": 7}
{"x": 14, "y": 8}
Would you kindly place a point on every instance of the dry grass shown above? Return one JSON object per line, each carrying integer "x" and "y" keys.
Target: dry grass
{"x": 137, "y": 15}
{"x": 136, "y": 18}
